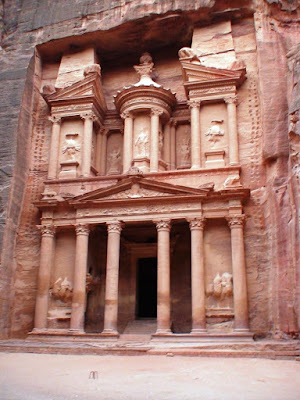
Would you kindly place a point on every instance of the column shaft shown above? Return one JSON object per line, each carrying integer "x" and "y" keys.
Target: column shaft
{"x": 173, "y": 144}
{"x": 87, "y": 144}
{"x": 240, "y": 300}
{"x": 127, "y": 142}
{"x": 198, "y": 276}
{"x": 54, "y": 148}
{"x": 167, "y": 144}
{"x": 195, "y": 135}
{"x": 163, "y": 277}
{"x": 232, "y": 131}
{"x": 80, "y": 271}
{"x": 154, "y": 144}
{"x": 98, "y": 151}
{"x": 112, "y": 279}
{"x": 46, "y": 259}
{"x": 103, "y": 154}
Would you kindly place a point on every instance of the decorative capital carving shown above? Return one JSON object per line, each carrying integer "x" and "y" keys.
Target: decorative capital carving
{"x": 47, "y": 230}
{"x": 163, "y": 225}
{"x": 82, "y": 229}
{"x": 231, "y": 100}
{"x": 88, "y": 115}
{"x": 55, "y": 119}
{"x": 114, "y": 227}
{"x": 193, "y": 103}
{"x": 196, "y": 223}
{"x": 156, "y": 111}
{"x": 126, "y": 114}
{"x": 236, "y": 221}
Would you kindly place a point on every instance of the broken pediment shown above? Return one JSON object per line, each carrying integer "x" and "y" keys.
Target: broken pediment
{"x": 137, "y": 188}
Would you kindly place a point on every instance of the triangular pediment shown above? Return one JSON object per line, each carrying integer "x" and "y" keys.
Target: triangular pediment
{"x": 89, "y": 87}
{"x": 138, "y": 188}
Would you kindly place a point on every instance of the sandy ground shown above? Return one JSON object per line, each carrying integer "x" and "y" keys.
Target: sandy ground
{"x": 59, "y": 377}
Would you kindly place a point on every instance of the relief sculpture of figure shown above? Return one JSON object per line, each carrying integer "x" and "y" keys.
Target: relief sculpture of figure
{"x": 160, "y": 144}
{"x": 215, "y": 132}
{"x": 221, "y": 287}
{"x": 142, "y": 144}
{"x": 71, "y": 147}
{"x": 184, "y": 148}
{"x": 114, "y": 159}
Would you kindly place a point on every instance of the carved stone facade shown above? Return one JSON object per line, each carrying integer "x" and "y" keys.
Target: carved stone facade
{"x": 151, "y": 166}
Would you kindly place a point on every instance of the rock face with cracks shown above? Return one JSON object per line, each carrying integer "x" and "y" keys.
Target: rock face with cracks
{"x": 264, "y": 34}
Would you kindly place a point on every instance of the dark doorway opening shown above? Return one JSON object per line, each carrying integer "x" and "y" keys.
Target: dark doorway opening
{"x": 147, "y": 288}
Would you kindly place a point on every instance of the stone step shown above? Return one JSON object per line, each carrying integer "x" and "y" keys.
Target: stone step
{"x": 140, "y": 327}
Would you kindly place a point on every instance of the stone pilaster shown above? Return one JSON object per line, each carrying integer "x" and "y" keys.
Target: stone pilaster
{"x": 195, "y": 134}
{"x": 127, "y": 141}
{"x": 232, "y": 130}
{"x": 88, "y": 119}
{"x": 240, "y": 300}
{"x": 163, "y": 277}
{"x": 198, "y": 275}
{"x": 43, "y": 286}
{"x": 103, "y": 152}
{"x": 54, "y": 147}
{"x": 112, "y": 279}
{"x": 154, "y": 144}
{"x": 80, "y": 270}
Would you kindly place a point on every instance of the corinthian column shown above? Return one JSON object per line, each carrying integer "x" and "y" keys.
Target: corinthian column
{"x": 163, "y": 277}
{"x": 54, "y": 147}
{"x": 195, "y": 134}
{"x": 198, "y": 275}
{"x": 154, "y": 145}
{"x": 46, "y": 257}
{"x": 87, "y": 143}
{"x": 127, "y": 142}
{"x": 232, "y": 130}
{"x": 240, "y": 301}
{"x": 80, "y": 270}
{"x": 112, "y": 278}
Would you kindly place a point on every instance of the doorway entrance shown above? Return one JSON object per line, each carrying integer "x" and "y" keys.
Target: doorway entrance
{"x": 146, "y": 302}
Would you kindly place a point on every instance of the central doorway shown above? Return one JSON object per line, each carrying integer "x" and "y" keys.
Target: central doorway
{"x": 146, "y": 304}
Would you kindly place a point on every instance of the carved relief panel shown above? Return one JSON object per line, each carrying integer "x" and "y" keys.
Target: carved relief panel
{"x": 114, "y": 153}
{"x": 183, "y": 146}
{"x": 70, "y": 148}
{"x": 214, "y": 135}
{"x": 141, "y": 134}
{"x": 218, "y": 269}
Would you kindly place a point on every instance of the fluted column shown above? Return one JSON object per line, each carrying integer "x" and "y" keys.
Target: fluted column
{"x": 163, "y": 277}
{"x": 167, "y": 144}
{"x": 198, "y": 275}
{"x": 54, "y": 147}
{"x": 154, "y": 144}
{"x": 195, "y": 134}
{"x": 240, "y": 300}
{"x": 103, "y": 152}
{"x": 80, "y": 271}
{"x": 127, "y": 141}
{"x": 112, "y": 278}
{"x": 88, "y": 119}
{"x": 173, "y": 143}
{"x": 232, "y": 130}
{"x": 46, "y": 259}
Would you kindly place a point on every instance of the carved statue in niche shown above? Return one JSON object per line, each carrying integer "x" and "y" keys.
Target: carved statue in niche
{"x": 184, "y": 152}
{"x": 62, "y": 290}
{"x": 215, "y": 132}
{"x": 142, "y": 144}
{"x": 221, "y": 287}
{"x": 71, "y": 148}
{"x": 114, "y": 161}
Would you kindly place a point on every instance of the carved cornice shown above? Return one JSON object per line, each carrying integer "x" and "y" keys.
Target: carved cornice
{"x": 114, "y": 227}
{"x": 55, "y": 119}
{"x": 196, "y": 223}
{"x": 47, "y": 230}
{"x": 82, "y": 229}
{"x": 163, "y": 225}
{"x": 231, "y": 100}
{"x": 236, "y": 221}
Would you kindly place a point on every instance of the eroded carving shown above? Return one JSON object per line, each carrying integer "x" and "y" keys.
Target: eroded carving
{"x": 142, "y": 144}
{"x": 71, "y": 147}
{"x": 221, "y": 287}
{"x": 62, "y": 290}
{"x": 215, "y": 132}
{"x": 114, "y": 161}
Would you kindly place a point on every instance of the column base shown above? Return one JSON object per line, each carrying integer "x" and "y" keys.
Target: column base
{"x": 241, "y": 330}
{"x": 162, "y": 332}
{"x": 196, "y": 331}
{"x": 195, "y": 167}
{"x": 110, "y": 333}
{"x": 37, "y": 331}
{"x": 74, "y": 331}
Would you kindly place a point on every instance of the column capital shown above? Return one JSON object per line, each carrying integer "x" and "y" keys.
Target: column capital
{"x": 88, "y": 115}
{"x": 196, "y": 223}
{"x": 163, "y": 225}
{"x": 236, "y": 221}
{"x": 82, "y": 229}
{"x": 193, "y": 103}
{"x": 54, "y": 119}
{"x": 114, "y": 227}
{"x": 126, "y": 114}
{"x": 47, "y": 230}
{"x": 156, "y": 111}
{"x": 231, "y": 99}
